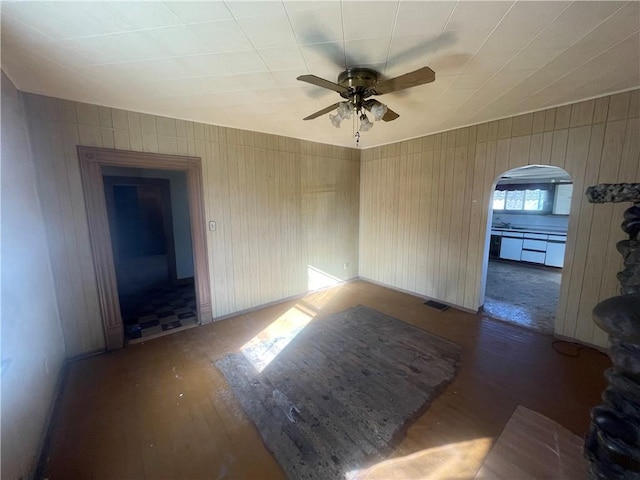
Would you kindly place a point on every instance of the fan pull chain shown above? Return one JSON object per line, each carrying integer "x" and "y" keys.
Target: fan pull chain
{"x": 354, "y": 124}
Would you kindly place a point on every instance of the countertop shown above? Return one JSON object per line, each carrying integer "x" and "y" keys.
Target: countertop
{"x": 541, "y": 230}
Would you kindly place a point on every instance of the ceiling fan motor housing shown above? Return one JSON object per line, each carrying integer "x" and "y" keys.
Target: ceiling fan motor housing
{"x": 358, "y": 80}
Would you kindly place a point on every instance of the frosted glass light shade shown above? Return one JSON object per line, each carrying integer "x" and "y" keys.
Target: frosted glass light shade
{"x": 335, "y": 120}
{"x": 365, "y": 123}
{"x": 345, "y": 109}
{"x": 378, "y": 110}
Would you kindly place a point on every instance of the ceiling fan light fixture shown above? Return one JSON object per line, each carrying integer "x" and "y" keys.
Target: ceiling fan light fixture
{"x": 345, "y": 110}
{"x": 365, "y": 123}
{"x": 378, "y": 110}
{"x": 355, "y": 86}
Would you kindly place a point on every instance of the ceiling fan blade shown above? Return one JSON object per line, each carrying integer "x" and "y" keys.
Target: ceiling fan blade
{"x": 389, "y": 114}
{"x": 322, "y": 112}
{"x": 408, "y": 80}
{"x": 321, "y": 82}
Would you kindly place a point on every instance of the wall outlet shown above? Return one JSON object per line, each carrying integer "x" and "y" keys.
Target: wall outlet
{"x": 346, "y": 265}
{"x": 212, "y": 226}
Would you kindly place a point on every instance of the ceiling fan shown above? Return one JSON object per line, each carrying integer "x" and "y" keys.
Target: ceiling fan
{"x": 356, "y": 85}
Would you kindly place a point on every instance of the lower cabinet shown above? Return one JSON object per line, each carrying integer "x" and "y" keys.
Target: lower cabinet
{"x": 555, "y": 254}
{"x": 541, "y": 248}
{"x": 532, "y": 256}
{"x": 511, "y": 248}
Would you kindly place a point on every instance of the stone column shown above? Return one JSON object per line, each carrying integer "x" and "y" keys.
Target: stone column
{"x": 612, "y": 445}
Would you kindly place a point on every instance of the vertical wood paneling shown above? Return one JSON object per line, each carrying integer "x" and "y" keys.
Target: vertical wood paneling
{"x": 424, "y": 164}
{"x": 51, "y": 205}
{"x": 438, "y": 182}
{"x": 476, "y": 228}
{"x": 225, "y": 215}
{"x": 575, "y": 258}
{"x": 255, "y": 186}
{"x": 83, "y": 245}
{"x": 454, "y": 194}
{"x": 563, "y": 117}
{"x": 390, "y": 270}
{"x": 559, "y": 147}
{"x": 281, "y": 204}
{"x": 579, "y": 149}
{"x": 467, "y": 160}
{"x": 31, "y": 315}
{"x": 582, "y": 113}
{"x": 402, "y": 222}
{"x": 444, "y": 220}
{"x": 262, "y": 199}
{"x": 601, "y": 229}
{"x": 414, "y": 217}
{"x": 535, "y": 149}
{"x": 489, "y": 182}
{"x": 547, "y": 142}
{"x": 627, "y": 172}
{"x": 519, "y": 151}
{"x": 457, "y": 225}
{"x": 502, "y": 157}
{"x": 365, "y": 212}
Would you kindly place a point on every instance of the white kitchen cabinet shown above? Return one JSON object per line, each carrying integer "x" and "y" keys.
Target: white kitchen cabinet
{"x": 532, "y": 256}
{"x": 539, "y": 245}
{"x": 555, "y": 254}
{"x": 536, "y": 236}
{"x": 562, "y": 200}
{"x": 511, "y": 248}
{"x": 558, "y": 238}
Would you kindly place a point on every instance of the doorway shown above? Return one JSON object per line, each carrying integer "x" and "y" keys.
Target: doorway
{"x": 528, "y": 225}
{"x": 96, "y": 161}
{"x": 148, "y": 212}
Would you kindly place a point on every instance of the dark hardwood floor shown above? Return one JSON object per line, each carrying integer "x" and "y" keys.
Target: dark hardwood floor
{"x": 160, "y": 409}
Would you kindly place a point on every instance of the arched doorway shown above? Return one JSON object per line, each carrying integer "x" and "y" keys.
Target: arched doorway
{"x": 527, "y": 225}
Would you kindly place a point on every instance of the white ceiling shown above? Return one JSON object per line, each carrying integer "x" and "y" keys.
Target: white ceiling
{"x": 235, "y": 63}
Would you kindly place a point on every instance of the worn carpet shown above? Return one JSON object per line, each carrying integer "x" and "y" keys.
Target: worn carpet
{"x": 340, "y": 395}
{"x": 523, "y": 294}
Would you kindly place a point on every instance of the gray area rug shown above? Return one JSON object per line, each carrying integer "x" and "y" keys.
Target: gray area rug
{"x": 341, "y": 394}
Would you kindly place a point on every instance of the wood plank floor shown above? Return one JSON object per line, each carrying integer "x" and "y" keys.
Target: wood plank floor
{"x": 161, "y": 409}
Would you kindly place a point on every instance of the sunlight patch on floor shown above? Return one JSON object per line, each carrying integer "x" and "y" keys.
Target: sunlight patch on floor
{"x": 264, "y": 347}
{"x": 267, "y": 345}
{"x": 455, "y": 460}
{"x": 317, "y": 279}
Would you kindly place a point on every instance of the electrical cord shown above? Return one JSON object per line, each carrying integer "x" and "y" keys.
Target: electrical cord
{"x": 577, "y": 346}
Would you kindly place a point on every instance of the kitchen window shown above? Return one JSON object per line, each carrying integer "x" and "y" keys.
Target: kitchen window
{"x": 527, "y": 198}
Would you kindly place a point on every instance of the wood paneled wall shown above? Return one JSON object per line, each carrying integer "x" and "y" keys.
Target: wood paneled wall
{"x": 283, "y": 204}
{"x": 425, "y": 203}
{"x": 32, "y": 345}
{"x": 280, "y": 205}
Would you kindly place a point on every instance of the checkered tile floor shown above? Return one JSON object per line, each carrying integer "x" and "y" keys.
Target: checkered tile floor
{"x": 158, "y": 310}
